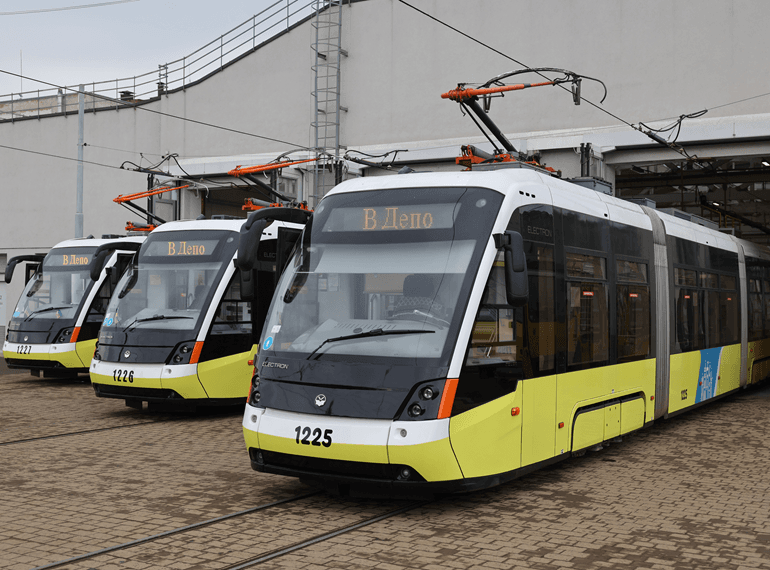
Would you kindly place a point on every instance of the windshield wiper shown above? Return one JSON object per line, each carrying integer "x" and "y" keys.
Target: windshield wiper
{"x": 46, "y": 310}
{"x": 373, "y": 332}
{"x": 154, "y": 318}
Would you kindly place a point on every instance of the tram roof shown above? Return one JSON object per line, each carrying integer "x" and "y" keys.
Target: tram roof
{"x": 96, "y": 242}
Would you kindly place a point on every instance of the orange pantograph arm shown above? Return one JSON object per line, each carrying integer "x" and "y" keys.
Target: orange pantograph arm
{"x": 130, "y": 197}
{"x": 461, "y": 94}
{"x": 238, "y": 171}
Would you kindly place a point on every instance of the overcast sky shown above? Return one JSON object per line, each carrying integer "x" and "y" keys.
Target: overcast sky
{"x": 108, "y": 42}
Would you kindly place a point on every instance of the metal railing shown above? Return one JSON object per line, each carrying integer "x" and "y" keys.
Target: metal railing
{"x": 173, "y": 75}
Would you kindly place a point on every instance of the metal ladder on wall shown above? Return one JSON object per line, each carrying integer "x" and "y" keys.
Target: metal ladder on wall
{"x": 326, "y": 93}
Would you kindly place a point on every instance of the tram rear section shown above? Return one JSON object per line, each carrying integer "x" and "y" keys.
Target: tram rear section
{"x": 449, "y": 332}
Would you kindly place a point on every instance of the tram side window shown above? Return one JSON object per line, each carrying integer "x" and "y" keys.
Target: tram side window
{"x": 587, "y": 311}
{"x": 504, "y": 335}
{"x": 767, "y": 306}
{"x": 233, "y": 313}
{"x": 709, "y": 301}
{"x": 756, "y": 311}
{"x": 689, "y": 326}
{"x": 729, "y": 310}
{"x": 633, "y": 311}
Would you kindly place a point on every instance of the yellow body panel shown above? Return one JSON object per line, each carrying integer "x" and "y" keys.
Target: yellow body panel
{"x": 227, "y": 377}
{"x": 612, "y": 421}
{"x": 85, "y": 350}
{"x": 487, "y": 439}
{"x": 434, "y": 460}
{"x": 729, "y": 369}
{"x": 584, "y": 388}
{"x": 759, "y": 360}
{"x": 684, "y": 380}
{"x": 189, "y": 387}
{"x": 632, "y": 415}
{"x": 538, "y": 417}
{"x": 589, "y": 429}
{"x": 343, "y": 451}
{"x": 251, "y": 438}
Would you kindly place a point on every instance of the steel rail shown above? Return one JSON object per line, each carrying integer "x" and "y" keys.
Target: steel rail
{"x": 321, "y": 538}
{"x": 173, "y": 531}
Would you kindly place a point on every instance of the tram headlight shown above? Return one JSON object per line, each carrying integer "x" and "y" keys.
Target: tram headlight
{"x": 254, "y": 395}
{"x": 428, "y": 393}
{"x": 64, "y": 336}
{"x": 182, "y": 353}
{"x": 416, "y": 410}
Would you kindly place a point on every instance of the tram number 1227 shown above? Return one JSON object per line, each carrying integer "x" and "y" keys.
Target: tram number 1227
{"x": 306, "y": 432}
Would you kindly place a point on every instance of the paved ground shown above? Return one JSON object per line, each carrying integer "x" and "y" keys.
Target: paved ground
{"x": 690, "y": 493}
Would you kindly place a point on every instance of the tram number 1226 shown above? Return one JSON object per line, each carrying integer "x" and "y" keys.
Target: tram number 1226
{"x": 306, "y": 432}
{"x": 123, "y": 375}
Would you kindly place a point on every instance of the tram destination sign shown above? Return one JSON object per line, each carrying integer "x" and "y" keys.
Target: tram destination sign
{"x": 69, "y": 259}
{"x": 180, "y": 248}
{"x": 391, "y": 218}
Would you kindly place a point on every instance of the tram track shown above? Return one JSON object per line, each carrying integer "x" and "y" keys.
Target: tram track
{"x": 80, "y": 432}
{"x": 172, "y": 532}
{"x": 246, "y": 562}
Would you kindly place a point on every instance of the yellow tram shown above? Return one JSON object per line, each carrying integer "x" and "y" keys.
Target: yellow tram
{"x": 443, "y": 332}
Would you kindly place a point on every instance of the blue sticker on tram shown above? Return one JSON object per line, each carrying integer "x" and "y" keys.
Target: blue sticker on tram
{"x": 268, "y": 343}
{"x": 708, "y": 374}
{"x": 108, "y": 322}
{"x": 17, "y": 314}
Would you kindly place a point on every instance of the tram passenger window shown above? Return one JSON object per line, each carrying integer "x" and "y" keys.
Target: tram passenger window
{"x": 729, "y": 315}
{"x": 633, "y": 311}
{"x": 587, "y": 311}
{"x": 766, "y": 306}
{"x": 710, "y": 319}
{"x": 541, "y": 310}
{"x": 756, "y": 311}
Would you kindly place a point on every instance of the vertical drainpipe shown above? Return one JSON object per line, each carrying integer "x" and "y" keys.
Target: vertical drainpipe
{"x": 79, "y": 199}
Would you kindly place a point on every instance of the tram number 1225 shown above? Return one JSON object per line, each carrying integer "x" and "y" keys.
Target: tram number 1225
{"x": 306, "y": 432}
{"x": 123, "y": 375}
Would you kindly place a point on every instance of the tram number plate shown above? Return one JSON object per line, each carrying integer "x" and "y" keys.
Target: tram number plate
{"x": 23, "y": 349}
{"x": 123, "y": 375}
{"x": 304, "y": 434}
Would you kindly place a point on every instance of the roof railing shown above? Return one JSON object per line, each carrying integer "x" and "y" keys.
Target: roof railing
{"x": 170, "y": 76}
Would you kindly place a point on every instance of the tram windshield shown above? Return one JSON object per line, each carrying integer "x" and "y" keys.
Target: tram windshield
{"x": 382, "y": 275}
{"x": 171, "y": 285}
{"x": 56, "y": 291}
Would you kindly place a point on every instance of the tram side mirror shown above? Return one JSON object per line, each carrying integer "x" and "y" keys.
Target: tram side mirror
{"x": 97, "y": 264}
{"x": 14, "y": 261}
{"x": 248, "y": 246}
{"x": 516, "y": 279}
{"x": 9, "y": 270}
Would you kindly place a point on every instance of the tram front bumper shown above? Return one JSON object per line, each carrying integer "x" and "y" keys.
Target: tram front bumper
{"x": 43, "y": 356}
{"x": 353, "y": 453}
{"x": 146, "y": 382}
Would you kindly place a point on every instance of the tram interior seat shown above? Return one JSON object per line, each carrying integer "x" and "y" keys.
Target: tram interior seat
{"x": 198, "y": 297}
{"x": 419, "y": 294}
